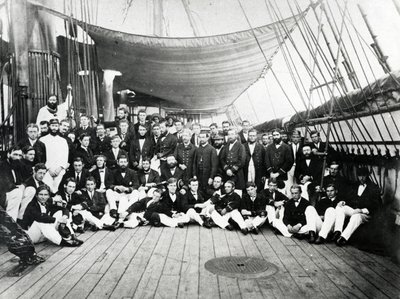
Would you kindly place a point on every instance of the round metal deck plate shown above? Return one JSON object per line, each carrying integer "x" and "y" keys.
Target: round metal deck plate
{"x": 241, "y": 267}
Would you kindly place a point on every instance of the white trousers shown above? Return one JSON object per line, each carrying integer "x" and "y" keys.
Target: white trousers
{"x": 53, "y": 182}
{"x": 88, "y": 216}
{"x": 355, "y": 221}
{"x": 329, "y": 222}
{"x": 313, "y": 223}
{"x": 190, "y": 215}
{"x": 291, "y": 178}
{"x": 40, "y": 232}
{"x": 29, "y": 194}
{"x": 222, "y": 221}
{"x": 255, "y": 221}
{"x": 125, "y": 200}
{"x": 132, "y": 220}
{"x": 13, "y": 201}
{"x": 274, "y": 213}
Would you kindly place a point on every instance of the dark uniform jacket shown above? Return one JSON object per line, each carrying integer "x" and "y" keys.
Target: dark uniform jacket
{"x": 108, "y": 177}
{"x": 126, "y": 140}
{"x": 278, "y": 160}
{"x": 259, "y": 163}
{"x": 26, "y": 169}
{"x": 166, "y": 146}
{"x": 40, "y": 149}
{"x": 112, "y": 159}
{"x": 100, "y": 147}
{"x": 88, "y": 131}
{"x": 153, "y": 177}
{"x": 130, "y": 180}
{"x": 190, "y": 201}
{"x": 324, "y": 203}
{"x": 135, "y": 153}
{"x": 229, "y": 202}
{"x": 75, "y": 199}
{"x": 299, "y": 152}
{"x": 7, "y": 182}
{"x": 314, "y": 170}
{"x": 185, "y": 155}
{"x": 242, "y": 138}
{"x": 205, "y": 164}
{"x": 234, "y": 160}
{"x": 166, "y": 173}
{"x": 96, "y": 204}
{"x": 30, "y": 182}
{"x": 86, "y": 155}
{"x": 294, "y": 215}
{"x": 342, "y": 185}
{"x": 370, "y": 199}
{"x": 146, "y": 124}
{"x": 272, "y": 197}
{"x": 169, "y": 205}
{"x": 34, "y": 213}
{"x": 256, "y": 207}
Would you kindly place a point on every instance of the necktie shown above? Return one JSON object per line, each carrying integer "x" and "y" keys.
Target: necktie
{"x": 69, "y": 197}
{"x": 77, "y": 178}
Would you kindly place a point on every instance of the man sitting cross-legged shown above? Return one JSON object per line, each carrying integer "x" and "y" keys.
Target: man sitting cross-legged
{"x": 300, "y": 217}
{"x": 326, "y": 208}
{"x": 124, "y": 190}
{"x": 40, "y": 224}
{"x": 148, "y": 178}
{"x": 253, "y": 208}
{"x": 226, "y": 208}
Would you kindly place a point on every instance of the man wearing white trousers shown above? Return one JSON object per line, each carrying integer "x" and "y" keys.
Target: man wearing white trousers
{"x": 227, "y": 207}
{"x": 253, "y": 208}
{"x": 275, "y": 205}
{"x": 300, "y": 217}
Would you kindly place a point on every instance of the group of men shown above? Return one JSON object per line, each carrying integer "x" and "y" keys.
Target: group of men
{"x": 58, "y": 182}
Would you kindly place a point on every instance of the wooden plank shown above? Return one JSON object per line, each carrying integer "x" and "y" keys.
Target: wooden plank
{"x": 189, "y": 280}
{"x": 248, "y": 287}
{"x": 169, "y": 280}
{"x": 228, "y": 287}
{"x": 71, "y": 277}
{"x": 301, "y": 277}
{"x": 385, "y": 262}
{"x": 352, "y": 274}
{"x": 149, "y": 280}
{"x": 374, "y": 279}
{"x": 342, "y": 282}
{"x": 109, "y": 280}
{"x": 130, "y": 279}
{"x": 33, "y": 281}
{"x": 208, "y": 282}
{"x": 86, "y": 283}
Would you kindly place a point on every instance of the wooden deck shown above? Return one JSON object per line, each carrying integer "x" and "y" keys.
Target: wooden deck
{"x": 150, "y": 262}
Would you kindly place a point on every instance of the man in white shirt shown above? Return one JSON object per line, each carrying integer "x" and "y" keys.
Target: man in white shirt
{"x": 52, "y": 110}
{"x": 57, "y": 152}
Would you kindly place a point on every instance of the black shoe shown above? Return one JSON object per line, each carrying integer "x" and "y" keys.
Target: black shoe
{"x": 109, "y": 227}
{"x": 229, "y": 227}
{"x": 255, "y": 231}
{"x": 207, "y": 224}
{"x": 181, "y": 225}
{"x": 79, "y": 230}
{"x": 299, "y": 236}
{"x": 245, "y": 231}
{"x": 114, "y": 213}
{"x": 93, "y": 228}
{"x": 37, "y": 259}
{"x": 312, "y": 238}
{"x": 319, "y": 240}
{"x": 76, "y": 239}
{"x": 341, "y": 242}
{"x": 336, "y": 235}
{"x": 70, "y": 243}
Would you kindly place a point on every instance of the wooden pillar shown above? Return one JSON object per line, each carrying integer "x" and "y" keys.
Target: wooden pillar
{"x": 107, "y": 94}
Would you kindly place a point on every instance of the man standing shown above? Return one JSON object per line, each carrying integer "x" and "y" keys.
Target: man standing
{"x": 52, "y": 110}
{"x": 296, "y": 150}
{"x": 85, "y": 152}
{"x": 79, "y": 173}
{"x": 11, "y": 188}
{"x": 166, "y": 144}
{"x": 84, "y": 127}
{"x": 232, "y": 159}
{"x": 225, "y": 129}
{"x": 57, "y": 156}
{"x": 278, "y": 158}
{"x": 205, "y": 164}
{"x": 141, "y": 147}
{"x": 195, "y": 140}
{"x": 184, "y": 154}
{"x": 254, "y": 169}
{"x": 32, "y": 139}
{"x": 179, "y": 130}
{"x": 244, "y": 133}
{"x": 142, "y": 122}
{"x": 101, "y": 143}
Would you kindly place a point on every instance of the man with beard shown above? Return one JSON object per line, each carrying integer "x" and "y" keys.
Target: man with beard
{"x": 171, "y": 170}
{"x": 44, "y": 128}
{"x": 285, "y": 137}
{"x": 308, "y": 171}
{"x": 65, "y": 133}
{"x": 57, "y": 156}
{"x": 124, "y": 189}
{"x": 184, "y": 154}
{"x": 254, "y": 169}
{"x": 32, "y": 139}
{"x": 218, "y": 143}
{"x": 213, "y": 133}
{"x": 148, "y": 178}
{"x": 265, "y": 140}
{"x": 101, "y": 143}
{"x": 85, "y": 152}
{"x": 195, "y": 140}
{"x": 52, "y": 110}
{"x": 225, "y": 129}
{"x": 205, "y": 164}
{"x": 233, "y": 159}
{"x": 141, "y": 147}
{"x": 31, "y": 184}
{"x": 166, "y": 145}
{"x": 11, "y": 188}
{"x": 27, "y": 162}
{"x": 278, "y": 158}
{"x": 244, "y": 133}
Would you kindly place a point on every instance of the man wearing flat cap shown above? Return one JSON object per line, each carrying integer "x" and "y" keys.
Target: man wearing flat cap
{"x": 57, "y": 152}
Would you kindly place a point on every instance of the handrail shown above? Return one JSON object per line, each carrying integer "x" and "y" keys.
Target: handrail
{"x": 13, "y": 107}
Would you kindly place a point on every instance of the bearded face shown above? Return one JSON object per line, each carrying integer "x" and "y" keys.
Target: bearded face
{"x": 52, "y": 102}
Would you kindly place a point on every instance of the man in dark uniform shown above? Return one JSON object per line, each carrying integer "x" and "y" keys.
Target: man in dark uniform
{"x": 184, "y": 154}
{"x": 205, "y": 165}
{"x": 278, "y": 158}
{"x": 101, "y": 143}
{"x": 253, "y": 208}
{"x": 32, "y": 139}
{"x": 232, "y": 159}
{"x": 244, "y": 133}
{"x": 148, "y": 178}
{"x": 166, "y": 144}
{"x": 141, "y": 147}
{"x": 254, "y": 169}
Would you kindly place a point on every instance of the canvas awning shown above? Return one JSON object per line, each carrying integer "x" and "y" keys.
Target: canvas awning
{"x": 189, "y": 73}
